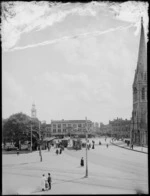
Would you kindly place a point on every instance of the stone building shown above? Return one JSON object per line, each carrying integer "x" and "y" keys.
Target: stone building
{"x": 120, "y": 128}
{"x": 67, "y": 127}
{"x": 96, "y": 127}
{"x": 139, "y": 135}
{"x": 48, "y": 130}
{"x": 105, "y": 130}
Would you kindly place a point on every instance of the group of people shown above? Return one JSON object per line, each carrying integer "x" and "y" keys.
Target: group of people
{"x": 46, "y": 182}
{"x": 59, "y": 151}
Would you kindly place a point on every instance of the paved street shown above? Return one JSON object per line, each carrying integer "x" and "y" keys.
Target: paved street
{"x": 112, "y": 170}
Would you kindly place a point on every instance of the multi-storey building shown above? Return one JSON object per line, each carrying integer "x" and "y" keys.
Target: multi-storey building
{"x": 105, "y": 129}
{"x": 96, "y": 126}
{"x": 120, "y": 128}
{"x": 139, "y": 135}
{"x": 46, "y": 130}
{"x": 73, "y": 127}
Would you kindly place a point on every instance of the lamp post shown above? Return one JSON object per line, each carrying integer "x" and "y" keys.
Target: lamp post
{"x": 86, "y": 172}
{"x": 40, "y": 152}
{"x": 31, "y": 137}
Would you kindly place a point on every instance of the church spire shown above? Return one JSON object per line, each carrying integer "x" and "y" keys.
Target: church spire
{"x": 142, "y": 55}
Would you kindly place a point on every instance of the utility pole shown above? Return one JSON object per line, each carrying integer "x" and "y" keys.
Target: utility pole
{"x": 40, "y": 152}
{"x": 86, "y": 174}
{"x": 31, "y": 136}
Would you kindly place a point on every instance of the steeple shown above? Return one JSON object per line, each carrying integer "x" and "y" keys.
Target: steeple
{"x": 142, "y": 55}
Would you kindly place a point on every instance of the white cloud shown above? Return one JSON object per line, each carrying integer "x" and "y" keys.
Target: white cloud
{"x": 65, "y": 38}
{"x": 13, "y": 95}
{"x": 79, "y": 87}
{"x": 32, "y": 16}
{"x": 37, "y": 16}
{"x": 132, "y": 12}
{"x": 10, "y": 86}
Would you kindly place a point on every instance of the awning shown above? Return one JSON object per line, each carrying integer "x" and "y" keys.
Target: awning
{"x": 67, "y": 138}
{"x": 48, "y": 139}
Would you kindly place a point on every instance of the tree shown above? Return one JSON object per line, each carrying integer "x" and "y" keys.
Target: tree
{"x": 17, "y": 128}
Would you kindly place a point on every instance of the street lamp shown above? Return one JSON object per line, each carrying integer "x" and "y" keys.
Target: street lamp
{"x": 31, "y": 136}
{"x": 40, "y": 152}
{"x": 86, "y": 172}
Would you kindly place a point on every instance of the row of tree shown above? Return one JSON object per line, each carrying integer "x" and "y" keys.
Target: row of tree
{"x": 17, "y": 129}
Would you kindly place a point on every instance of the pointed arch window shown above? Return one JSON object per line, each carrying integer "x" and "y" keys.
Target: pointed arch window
{"x": 135, "y": 93}
{"x": 145, "y": 76}
{"x": 143, "y": 93}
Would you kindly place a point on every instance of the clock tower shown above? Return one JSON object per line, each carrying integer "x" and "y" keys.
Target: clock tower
{"x": 33, "y": 111}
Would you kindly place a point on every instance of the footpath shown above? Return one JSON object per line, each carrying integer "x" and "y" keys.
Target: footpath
{"x": 122, "y": 144}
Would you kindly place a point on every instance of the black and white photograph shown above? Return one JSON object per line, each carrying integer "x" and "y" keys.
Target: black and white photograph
{"x": 74, "y": 97}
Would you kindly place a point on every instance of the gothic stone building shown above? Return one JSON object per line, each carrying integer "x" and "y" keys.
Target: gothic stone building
{"x": 139, "y": 135}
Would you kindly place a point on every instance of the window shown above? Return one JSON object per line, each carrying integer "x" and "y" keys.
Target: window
{"x": 54, "y": 126}
{"x": 59, "y": 125}
{"x": 79, "y": 125}
{"x": 54, "y": 130}
{"x": 143, "y": 93}
{"x": 74, "y": 125}
{"x": 59, "y": 130}
{"x": 83, "y": 125}
{"x": 135, "y": 93}
{"x": 69, "y": 125}
{"x": 64, "y": 125}
{"x": 64, "y": 130}
{"x": 145, "y": 76}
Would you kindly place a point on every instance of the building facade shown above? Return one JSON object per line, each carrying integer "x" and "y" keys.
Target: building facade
{"x": 48, "y": 130}
{"x": 71, "y": 127}
{"x": 96, "y": 127}
{"x": 105, "y": 130}
{"x": 139, "y": 131}
{"x": 120, "y": 128}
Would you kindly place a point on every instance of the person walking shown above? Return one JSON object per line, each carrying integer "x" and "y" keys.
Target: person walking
{"x": 49, "y": 180}
{"x": 82, "y": 162}
{"x": 60, "y": 151}
{"x": 132, "y": 146}
{"x": 93, "y": 146}
{"x": 17, "y": 151}
{"x": 57, "y": 151}
{"x": 43, "y": 182}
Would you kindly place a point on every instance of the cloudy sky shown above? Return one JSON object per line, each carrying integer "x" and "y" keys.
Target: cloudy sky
{"x": 72, "y": 60}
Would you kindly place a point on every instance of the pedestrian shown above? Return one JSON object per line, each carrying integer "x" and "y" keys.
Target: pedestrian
{"x": 107, "y": 145}
{"x": 46, "y": 185}
{"x": 49, "y": 180}
{"x": 17, "y": 151}
{"x": 43, "y": 182}
{"x": 82, "y": 162}
{"x": 132, "y": 146}
{"x": 60, "y": 151}
{"x": 57, "y": 151}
